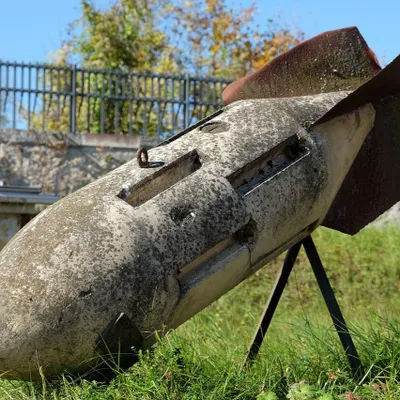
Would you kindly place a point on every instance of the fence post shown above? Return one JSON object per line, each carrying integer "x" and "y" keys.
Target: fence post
{"x": 187, "y": 101}
{"x": 72, "y": 108}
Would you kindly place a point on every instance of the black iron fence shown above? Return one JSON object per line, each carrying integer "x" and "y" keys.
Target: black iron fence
{"x": 45, "y": 97}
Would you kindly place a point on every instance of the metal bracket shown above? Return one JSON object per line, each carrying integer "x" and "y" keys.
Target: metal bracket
{"x": 329, "y": 297}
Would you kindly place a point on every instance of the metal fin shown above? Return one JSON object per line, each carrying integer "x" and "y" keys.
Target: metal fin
{"x": 332, "y": 61}
{"x": 372, "y": 185}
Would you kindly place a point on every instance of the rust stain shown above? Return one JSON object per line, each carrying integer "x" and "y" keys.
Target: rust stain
{"x": 386, "y": 83}
{"x": 332, "y": 61}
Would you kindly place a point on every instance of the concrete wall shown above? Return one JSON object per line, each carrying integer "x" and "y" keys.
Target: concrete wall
{"x": 63, "y": 163}
{"x": 59, "y": 163}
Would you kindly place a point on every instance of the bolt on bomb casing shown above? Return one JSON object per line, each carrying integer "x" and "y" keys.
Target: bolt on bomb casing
{"x": 142, "y": 249}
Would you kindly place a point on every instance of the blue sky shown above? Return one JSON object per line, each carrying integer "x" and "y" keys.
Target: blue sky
{"x": 31, "y": 29}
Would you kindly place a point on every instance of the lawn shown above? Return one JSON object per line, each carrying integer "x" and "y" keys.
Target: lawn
{"x": 301, "y": 357}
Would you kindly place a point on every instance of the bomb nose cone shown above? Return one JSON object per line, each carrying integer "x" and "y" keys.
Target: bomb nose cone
{"x": 45, "y": 295}
{"x": 79, "y": 282}
{"x": 64, "y": 286}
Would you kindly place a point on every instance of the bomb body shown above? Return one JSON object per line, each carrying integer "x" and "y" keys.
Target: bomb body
{"x": 142, "y": 250}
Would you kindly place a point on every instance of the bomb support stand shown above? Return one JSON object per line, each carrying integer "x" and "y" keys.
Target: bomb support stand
{"x": 329, "y": 297}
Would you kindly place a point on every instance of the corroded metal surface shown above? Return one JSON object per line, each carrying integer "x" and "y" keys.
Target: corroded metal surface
{"x": 332, "y": 61}
{"x": 371, "y": 187}
{"x": 385, "y": 84}
{"x": 144, "y": 249}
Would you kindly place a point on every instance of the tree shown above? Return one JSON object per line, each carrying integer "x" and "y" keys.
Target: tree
{"x": 125, "y": 37}
{"x": 221, "y": 41}
{"x": 202, "y": 37}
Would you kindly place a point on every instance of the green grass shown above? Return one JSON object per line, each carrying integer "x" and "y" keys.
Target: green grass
{"x": 301, "y": 357}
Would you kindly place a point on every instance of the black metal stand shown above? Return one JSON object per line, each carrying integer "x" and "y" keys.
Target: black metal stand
{"x": 327, "y": 293}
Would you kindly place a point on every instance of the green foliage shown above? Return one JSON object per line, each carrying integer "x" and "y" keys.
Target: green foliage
{"x": 301, "y": 357}
{"x": 205, "y": 37}
{"x": 125, "y": 36}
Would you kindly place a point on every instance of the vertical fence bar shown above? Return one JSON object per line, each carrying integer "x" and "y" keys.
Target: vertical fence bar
{"x": 116, "y": 120}
{"x": 15, "y": 95}
{"x": 22, "y": 89}
{"x": 187, "y": 101}
{"x": 95, "y": 100}
{"x": 124, "y": 95}
{"x": 137, "y": 113}
{"x": 36, "y": 85}
{"x": 88, "y": 103}
{"x": 82, "y": 96}
{"x": 173, "y": 120}
{"x": 72, "y": 110}
{"x": 43, "y": 98}
{"x": 7, "y": 85}
{"x": 29, "y": 95}
{"x": 130, "y": 103}
{"x": 159, "y": 119}
{"x": 51, "y": 70}
{"x": 58, "y": 99}
{"x": 109, "y": 103}
{"x": 102, "y": 103}
{"x": 145, "y": 106}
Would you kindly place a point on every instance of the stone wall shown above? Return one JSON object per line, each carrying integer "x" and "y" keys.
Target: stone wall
{"x": 63, "y": 163}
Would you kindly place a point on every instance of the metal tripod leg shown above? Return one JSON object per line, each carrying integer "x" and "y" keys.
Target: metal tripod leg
{"x": 329, "y": 297}
{"x": 333, "y": 307}
{"x": 273, "y": 301}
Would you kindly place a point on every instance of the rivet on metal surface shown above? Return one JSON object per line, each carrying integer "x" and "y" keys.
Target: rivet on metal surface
{"x": 142, "y": 157}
